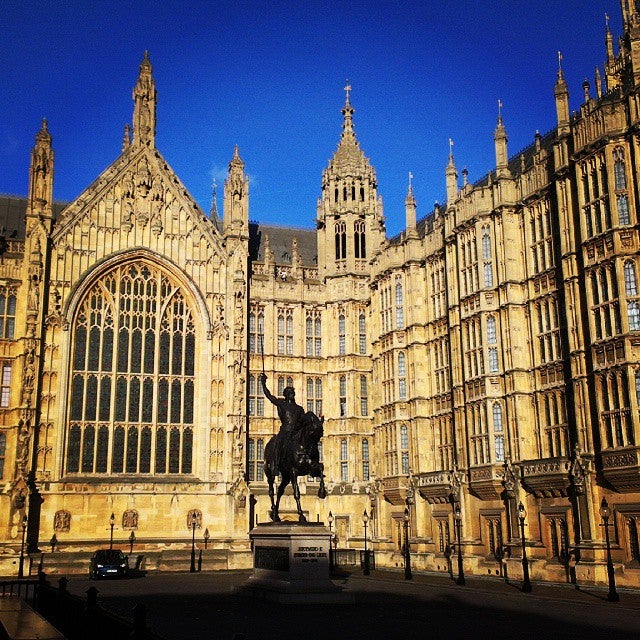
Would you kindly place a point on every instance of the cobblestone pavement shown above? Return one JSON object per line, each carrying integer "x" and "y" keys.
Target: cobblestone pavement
{"x": 202, "y": 606}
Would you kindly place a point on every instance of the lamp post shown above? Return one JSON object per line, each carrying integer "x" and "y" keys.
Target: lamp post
{"x": 407, "y": 549}
{"x": 526, "y": 583}
{"x": 206, "y": 537}
{"x": 112, "y": 521}
{"x": 457, "y": 515}
{"x": 365, "y": 521}
{"x": 330, "y": 519}
{"x": 24, "y": 531}
{"x": 605, "y": 514}
{"x": 192, "y": 568}
{"x": 132, "y": 539}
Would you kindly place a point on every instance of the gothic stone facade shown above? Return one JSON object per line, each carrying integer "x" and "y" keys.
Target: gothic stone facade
{"x": 487, "y": 356}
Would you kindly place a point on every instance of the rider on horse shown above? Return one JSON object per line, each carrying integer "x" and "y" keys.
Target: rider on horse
{"x": 291, "y": 414}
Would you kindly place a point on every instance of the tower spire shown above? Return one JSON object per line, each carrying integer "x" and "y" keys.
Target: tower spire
{"x": 562, "y": 99}
{"x": 410, "y": 208}
{"x": 500, "y": 139}
{"x": 451, "y": 177}
{"x": 347, "y": 113}
{"x": 144, "y": 109}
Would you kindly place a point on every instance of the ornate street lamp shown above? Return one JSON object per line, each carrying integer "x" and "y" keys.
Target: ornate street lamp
{"x": 605, "y": 514}
{"x": 365, "y": 521}
{"x": 526, "y": 583}
{"x": 24, "y": 531}
{"x": 112, "y": 521}
{"x": 330, "y": 519}
{"x": 194, "y": 520}
{"x": 132, "y": 539}
{"x": 457, "y": 515}
{"x": 206, "y": 537}
{"x": 407, "y": 549}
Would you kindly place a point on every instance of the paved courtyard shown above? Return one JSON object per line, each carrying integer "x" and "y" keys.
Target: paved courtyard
{"x": 202, "y": 606}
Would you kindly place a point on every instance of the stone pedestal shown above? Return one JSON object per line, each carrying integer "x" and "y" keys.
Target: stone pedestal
{"x": 291, "y": 564}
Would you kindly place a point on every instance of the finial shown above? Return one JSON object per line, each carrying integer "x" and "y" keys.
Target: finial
{"x": 410, "y": 179}
{"x": 214, "y": 200}
{"x": 560, "y": 61}
{"x": 347, "y": 90}
{"x": 44, "y": 124}
{"x": 126, "y": 138}
{"x": 500, "y": 105}
{"x": 606, "y": 20}
{"x": 450, "y": 150}
{"x": 465, "y": 176}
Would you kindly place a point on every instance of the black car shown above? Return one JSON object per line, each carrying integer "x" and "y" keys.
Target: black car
{"x": 108, "y": 563}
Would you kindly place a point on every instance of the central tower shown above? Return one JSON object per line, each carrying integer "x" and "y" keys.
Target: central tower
{"x": 349, "y": 218}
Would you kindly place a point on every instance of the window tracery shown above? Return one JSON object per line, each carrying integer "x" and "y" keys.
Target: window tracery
{"x": 132, "y": 376}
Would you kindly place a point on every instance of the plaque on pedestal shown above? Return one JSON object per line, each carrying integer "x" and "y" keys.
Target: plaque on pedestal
{"x": 291, "y": 564}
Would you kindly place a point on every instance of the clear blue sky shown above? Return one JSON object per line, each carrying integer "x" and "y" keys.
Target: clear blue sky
{"x": 269, "y": 76}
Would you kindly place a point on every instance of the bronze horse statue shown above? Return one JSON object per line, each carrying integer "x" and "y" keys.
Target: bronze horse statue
{"x": 292, "y": 455}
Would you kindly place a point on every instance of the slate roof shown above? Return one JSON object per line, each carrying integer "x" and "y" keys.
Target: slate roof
{"x": 281, "y": 241}
{"x": 12, "y": 215}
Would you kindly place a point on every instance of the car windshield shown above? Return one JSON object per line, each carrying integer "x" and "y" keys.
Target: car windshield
{"x": 110, "y": 556}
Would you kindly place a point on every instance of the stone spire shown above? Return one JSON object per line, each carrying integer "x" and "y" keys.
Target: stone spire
{"x": 451, "y": 177}
{"x": 410, "y": 208}
{"x": 500, "y": 139}
{"x": 236, "y": 198}
{"x": 562, "y": 99}
{"x": 213, "y": 213}
{"x": 144, "y": 109}
{"x": 41, "y": 173}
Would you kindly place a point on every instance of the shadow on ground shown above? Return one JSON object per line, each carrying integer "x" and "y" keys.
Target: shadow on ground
{"x": 376, "y": 614}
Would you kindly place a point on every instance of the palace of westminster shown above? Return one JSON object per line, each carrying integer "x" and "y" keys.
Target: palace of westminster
{"x": 488, "y": 356}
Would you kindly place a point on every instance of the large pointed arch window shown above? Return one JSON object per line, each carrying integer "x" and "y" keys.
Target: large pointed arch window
{"x": 132, "y": 376}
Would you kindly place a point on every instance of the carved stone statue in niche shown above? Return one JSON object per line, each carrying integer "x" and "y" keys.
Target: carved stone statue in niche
{"x": 127, "y": 186}
{"x": 40, "y": 180}
{"x": 22, "y": 452}
{"x": 62, "y": 521}
{"x": 130, "y": 519}
{"x": 238, "y": 442}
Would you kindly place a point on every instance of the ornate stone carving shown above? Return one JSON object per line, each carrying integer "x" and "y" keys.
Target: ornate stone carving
{"x": 62, "y": 521}
{"x": 198, "y": 516}
{"x": 130, "y": 519}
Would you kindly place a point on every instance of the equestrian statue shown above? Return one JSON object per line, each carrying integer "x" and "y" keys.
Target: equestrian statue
{"x": 293, "y": 451}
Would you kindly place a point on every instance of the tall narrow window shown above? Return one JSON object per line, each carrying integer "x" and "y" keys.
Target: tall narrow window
{"x": 344, "y": 461}
{"x": 634, "y": 539}
{"x": 342, "y": 335}
{"x": 7, "y": 315}
{"x": 5, "y": 386}
{"x": 343, "y": 396}
{"x": 619, "y": 177}
{"x": 498, "y": 434}
{"x": 3, "y": 453}
{"x": 402, "y": 376}
{"x": 256, "y": 459}
{"x": 399, "y": 305}
{"x": 313, "y": 329}
{"x": 404, "y": 448}
{"x": 362, "y": 335}
{"x": 314, "y": 395}
{"x": 493, "y": 360}
{"x": 630, "y": 281}
{"x": 364, "y": 396}
{"x": 132, "y": 375}
{"x": 256, "y": 397}
{"x": 281, "y": 332}
{"x": 360, "y": 247}
{"x": 637, "y": 380}
{"x": 491, "y": 330}
{"x": 256, "y": 331}
{"x": 365, "y": 460}
{"x": 341, "y": 240}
